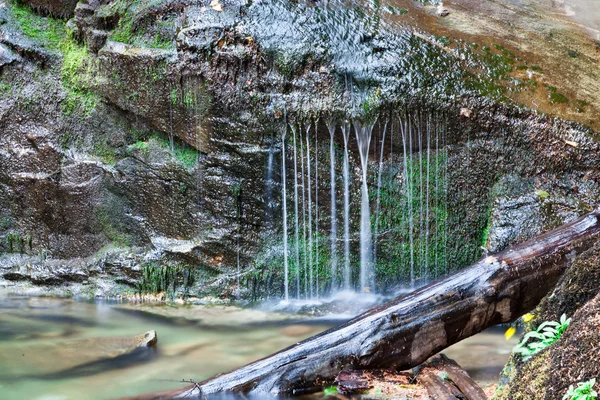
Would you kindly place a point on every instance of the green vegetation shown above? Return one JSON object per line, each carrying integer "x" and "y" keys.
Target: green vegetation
{"x": 165, "y": 279}
{"x": 16, "y": 243}
{"x": 49, "y": 32}
{"x": 185, "y": 154}
{"x": 6, "y": 223}
{"x": 77, "y": 70}
{"x": 112, "y": 230}
{"x": 546, "y": 334}
{"x": 126, "y": 31}
{"x": 583, "y": 391}
{"x": 555, "y": 96}
{"x": 542, "y": 194}
{"x": 395, "y": 11}
{"x": 330, "y": 391}
{"x": 370, "y": 106}
{"x": 182, "y": 152}
{"x": 403, "y": 213}
{"x": 105, "y": 152}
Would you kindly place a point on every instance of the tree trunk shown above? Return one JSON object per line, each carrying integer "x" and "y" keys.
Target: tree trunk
{"x": 408, "y": 330}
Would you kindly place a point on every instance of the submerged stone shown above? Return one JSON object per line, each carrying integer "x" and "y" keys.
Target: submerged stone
{"x": 76, "y": 357}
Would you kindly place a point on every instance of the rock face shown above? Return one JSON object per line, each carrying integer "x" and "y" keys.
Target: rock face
{"x": 146, "y": 140}
{"x": 57, "y": 8}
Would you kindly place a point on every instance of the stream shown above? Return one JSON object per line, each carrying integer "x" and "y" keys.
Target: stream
{"x": 66, "y": 349}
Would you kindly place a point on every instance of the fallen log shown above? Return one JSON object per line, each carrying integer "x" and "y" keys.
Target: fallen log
{"x": 456, "y": 384}
{"x": 408, "y": 330}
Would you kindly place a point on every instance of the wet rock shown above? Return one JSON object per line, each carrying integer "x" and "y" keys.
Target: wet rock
{"x": 516, "y": 215}
{"x": 56, "y": 8}
{"x": 441, "y": 11}
{"x": 218, "y": 86}
{"x": 75, "y": 357}
{"x": 7, "y": 56}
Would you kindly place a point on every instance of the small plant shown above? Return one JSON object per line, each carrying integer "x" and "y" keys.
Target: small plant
{"x": 330, "y": 391}
{"x": 583, "y": 391}
{"x": 546, "y": 334}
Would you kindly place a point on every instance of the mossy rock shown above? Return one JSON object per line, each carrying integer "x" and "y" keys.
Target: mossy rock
{"x": 573, "y": 358}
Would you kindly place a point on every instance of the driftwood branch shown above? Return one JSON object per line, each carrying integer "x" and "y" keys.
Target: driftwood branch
{"x": 408, "y": 330}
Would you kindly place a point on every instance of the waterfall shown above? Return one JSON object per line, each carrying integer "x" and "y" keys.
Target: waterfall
{"x": 284, "y": 211}
{"x": 378, "y": 203}
{"x": 303, "y": 219}
{"x": 333, "y": 230}
{"x": 363, "y": 137}
{"x": 269, "y": 182}
{"x": 316, "y": 211}
{"x": 296, "y": 218}
{"x": 406, "y": 139}
{"x": 310, "y": 231}
{"x": 421, "y": 227}
{"x": 427, "y": 222}
{"x": 346, "y": 173}
{"x": 239, "y": 270}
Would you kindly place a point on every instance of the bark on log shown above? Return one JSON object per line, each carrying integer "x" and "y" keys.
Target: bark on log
{"x": 408, "y": 330}
{"x": 458, "y": 384}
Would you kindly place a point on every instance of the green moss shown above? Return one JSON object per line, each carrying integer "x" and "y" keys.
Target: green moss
{"x": 430, "y": 237}
{"x": 127, "y": 32}
{"x": 47, "y": 31}
{"x": 185, "y": 154}
{"x": 113, "y": 231}
{"x": 6, "y": 222}
{"x": 555, "y": 96}
{"x": 78, "y": 73}
{"x": 105, "y": 152}
{"x": 17, "y": 243}
{"x": 167, "y": 279}
{"x": 77, "y": 70}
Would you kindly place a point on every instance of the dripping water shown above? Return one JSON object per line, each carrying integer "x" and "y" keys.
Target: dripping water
{"x": 296, "y": 218}
{"x": 378, "y": 202}
{"x": 346, "y": 173}
{"x": 316, "y": 211}
{"x": 333, "y": 230}
{"x": 363, "y": 137}
{"x": 310, "y": 229}
{"x": 284, "y": 206}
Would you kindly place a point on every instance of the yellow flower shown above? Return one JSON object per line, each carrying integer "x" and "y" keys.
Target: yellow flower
{"x": 510, "y": 332}
{"x": 528, "y": 317}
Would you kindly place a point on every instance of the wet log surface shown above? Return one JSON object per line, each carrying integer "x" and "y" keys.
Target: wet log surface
{"x": 445, "y": 379}
{"x": 407, "y": 331}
